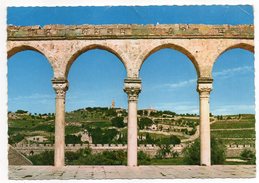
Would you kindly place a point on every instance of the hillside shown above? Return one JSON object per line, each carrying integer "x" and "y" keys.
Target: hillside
{"x": 102, "y": 125}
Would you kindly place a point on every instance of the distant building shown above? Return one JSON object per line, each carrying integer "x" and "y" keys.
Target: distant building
{"x": 153, "y": 127}
{"x": 125, "y": 120}
{"x": 148, "y": 111}
{"x": 167, "y": 116}
{"x": 113, "y": 104}
{"x": 36, "y": 139}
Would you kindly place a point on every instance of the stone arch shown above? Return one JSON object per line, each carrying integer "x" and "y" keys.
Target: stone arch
{"x": 176, "y": 47}
{"x": 245, "y": 46}
{"x": 117, "y": 52}
{"x": 16, "y": 49}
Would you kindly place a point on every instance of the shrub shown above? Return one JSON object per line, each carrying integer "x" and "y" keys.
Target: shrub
{"x": 45, "y": 158}
{"x": 249, "y": 155}
{"x": 15, "y": 138}
{"x": 118, "y": 122}
{"x": 73, "y": 139}
{"x": 175, "y": 154}
{"x": 192, "y": 153}
{"x": 143, "y": 158}
{"x": 86, "y": 157}
{"x": 144, "y": 123}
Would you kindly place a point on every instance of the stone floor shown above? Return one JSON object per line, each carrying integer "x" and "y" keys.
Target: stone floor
{"x": 124, "y": 172}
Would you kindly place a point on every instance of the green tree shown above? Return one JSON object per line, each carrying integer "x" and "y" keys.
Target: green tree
{"x": 111, "y": 112}
{"x": 143, "y": 158}
{"x": 248, "y": 155}
{"x": 192, "y": 153}
{"x": 165, "y": 146}
{"x": 19, "y": 111}
{"x": 45, "y": 158}
{"x": 73, "y": 139}
{"x": 144, "y": 122}
{"x": 118, "y": 122}
{"x": 15, "y": 138}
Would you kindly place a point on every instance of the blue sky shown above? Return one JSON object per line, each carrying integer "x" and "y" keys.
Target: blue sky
{"x": 168, "y": 76}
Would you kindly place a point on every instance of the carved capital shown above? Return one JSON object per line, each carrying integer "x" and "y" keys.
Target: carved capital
{"x": 132, "y": 87}
{"x": 204, "y": 89}
{"x": 60, "y": 87}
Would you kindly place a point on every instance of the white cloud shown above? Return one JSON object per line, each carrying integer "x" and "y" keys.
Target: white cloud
{"x": 222, "y": 74}
{"x": 180, "y": 84}
{"x": 230, "y": 72}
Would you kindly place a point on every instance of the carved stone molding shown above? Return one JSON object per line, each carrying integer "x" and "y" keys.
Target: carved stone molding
{"x": 204, "y": 89}
{"x": 132, "y": 87}
{"x": 162, "y": 31}
{"x": 60, "y": 87}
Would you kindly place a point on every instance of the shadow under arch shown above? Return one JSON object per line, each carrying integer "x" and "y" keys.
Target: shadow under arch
{"x": 85, "y": 49}
{"x": 174, "y": 47}
{"x": 11, "y": 52}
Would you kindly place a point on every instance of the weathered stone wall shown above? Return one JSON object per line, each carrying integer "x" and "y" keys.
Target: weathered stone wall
{"x": 132, "y": 44}
{"x": 232, "y": 150}
{"x": 133, "y": 31}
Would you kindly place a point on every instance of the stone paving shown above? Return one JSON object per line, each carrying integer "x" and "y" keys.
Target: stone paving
{"x": 124, "y": 172}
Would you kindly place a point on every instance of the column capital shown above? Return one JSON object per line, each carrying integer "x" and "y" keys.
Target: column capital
{"x": 204, "y": 89}
{"x": 132, "y": 86}
{"x": 60, "y": 87}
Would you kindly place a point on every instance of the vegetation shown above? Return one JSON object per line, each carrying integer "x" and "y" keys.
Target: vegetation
{"x": 21, "y": 111}
{"x": 145, "y": 122}
{"x": 233, "y": 124}
{"x": 86, "y": 157}
{"x": 248, "y": 155}
{"x": 118, "y": 122}
{"x": 234, "y": 134}
{"x": 192, "y": 153}
{"x": 106, "y": 126}
{"x": 102, "y": 136}
{"x": 45, "y": 158}
{"x": 15, "y": 138}
{"x": 73, "y": 139}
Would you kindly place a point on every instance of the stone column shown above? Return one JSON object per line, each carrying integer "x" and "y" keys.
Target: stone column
{"x": 60, "y": 87}
{"x": 132, "y": 87}
{"x": 204, "y": 88}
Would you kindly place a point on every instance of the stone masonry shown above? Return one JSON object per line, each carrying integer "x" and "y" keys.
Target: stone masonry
{"x": 132, "y": 44}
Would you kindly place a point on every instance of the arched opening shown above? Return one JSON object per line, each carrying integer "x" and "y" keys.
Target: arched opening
{"x": 168, "y": 104}
{"x": 31, "y": 102}
{"x": 117, "y": 53}
{"x": 233, "y": 101}
{"x": 96, "y": 110}
{"x": 177, "y": 48}
{"x": 21, "y": 48}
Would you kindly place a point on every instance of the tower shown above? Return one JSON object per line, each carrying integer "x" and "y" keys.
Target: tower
{"x": 113, "y": 104}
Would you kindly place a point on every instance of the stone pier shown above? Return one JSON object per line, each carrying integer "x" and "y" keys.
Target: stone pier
{"x": 204, "y": 88}
{"x": 60, "y": 87}
{"x": 132, "y": 88}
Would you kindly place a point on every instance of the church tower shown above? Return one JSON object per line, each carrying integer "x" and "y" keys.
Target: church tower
{"x": 113, "y": 104}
